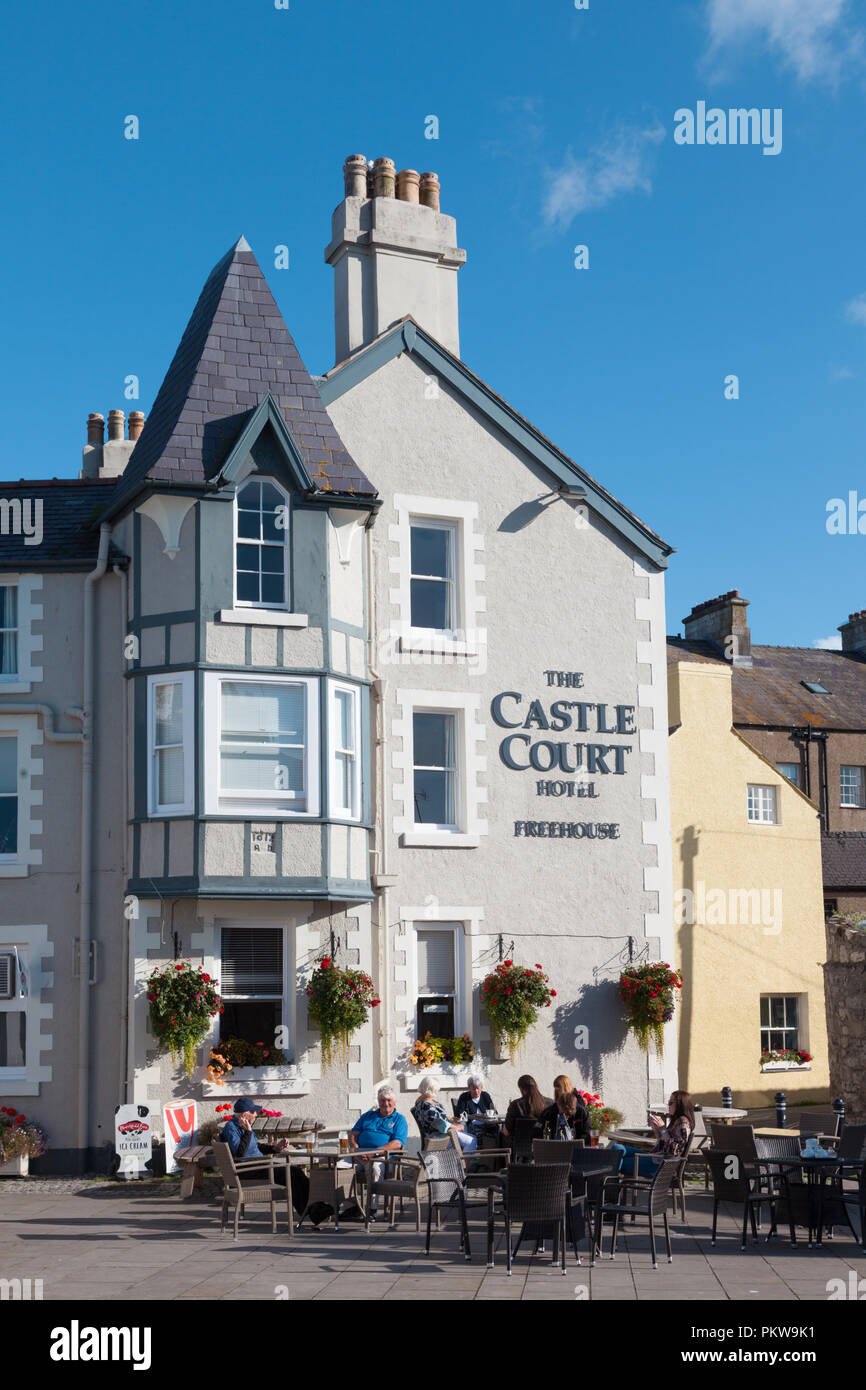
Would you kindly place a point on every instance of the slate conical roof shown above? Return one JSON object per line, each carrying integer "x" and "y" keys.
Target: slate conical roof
{"x": 234, "y": 350}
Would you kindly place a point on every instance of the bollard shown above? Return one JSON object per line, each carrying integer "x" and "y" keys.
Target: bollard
{"x": 781, "y": 1110}
{"x": 727, "y": 1098}
{"x": 839, "y": 1109}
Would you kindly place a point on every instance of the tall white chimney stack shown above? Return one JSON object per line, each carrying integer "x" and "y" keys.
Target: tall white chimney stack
{"x": 394, "y": 253}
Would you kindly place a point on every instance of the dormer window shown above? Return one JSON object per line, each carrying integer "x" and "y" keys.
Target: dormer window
{"x": 262, "y": 546}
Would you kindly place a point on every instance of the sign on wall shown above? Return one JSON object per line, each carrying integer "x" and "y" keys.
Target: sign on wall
{"x": 179, "y": 1124}
{"x": 133, "y": 1138}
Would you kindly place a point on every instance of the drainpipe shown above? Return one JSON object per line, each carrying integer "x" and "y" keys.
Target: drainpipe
{"x": 380, "y": 837}
{"x": 128, "y": 927}
{"x": 48, "y": 718}
{"x": 86, "y": 888}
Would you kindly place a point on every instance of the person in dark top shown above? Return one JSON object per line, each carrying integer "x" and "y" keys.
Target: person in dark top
{"x": 568, "y": 1117}
{"x": 238, "y": 1134}
{"x": 474, "y": 1100}
{"x": 530, "y": 1105}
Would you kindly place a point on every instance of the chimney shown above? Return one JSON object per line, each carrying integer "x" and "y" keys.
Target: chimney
{"x": 722, "y": 621}
{"x": 854, "y": 633}
{"x": 107, "y": 458}
{"x": 394, "y": 253}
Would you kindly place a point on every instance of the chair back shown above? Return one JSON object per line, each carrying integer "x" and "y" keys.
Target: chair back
{"x": 226, "y": 1165}
{"x": 554, "y": 1150}
{"x": 818, "y": 1122}
{"x": 436, "y": 1143}
{"x": 852, "y": 1145}
{"x": 700, "y": 1130}
{"x": 525, "y": 1130}
{"x": 734, "y": 1139}
{"x": 444, "y": 1171}
{"x": 666, "y": 1175}
{"x": 729, "y": 1175}
{"x": 596, "y": 1158}
{"x": 455, "y": 1108}
{"x": 536, "y": 1192}
{"x": 777, "y": 1145}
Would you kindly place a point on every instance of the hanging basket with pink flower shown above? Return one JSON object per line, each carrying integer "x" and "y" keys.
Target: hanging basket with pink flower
{"x": 340, "y": 1004}
{"x": 183, "y": 1000}
{"x": 513, "y": 995}
{"x": 648, "y": 993}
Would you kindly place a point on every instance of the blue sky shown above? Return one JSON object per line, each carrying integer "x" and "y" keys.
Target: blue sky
{"x": 556, "y": 128}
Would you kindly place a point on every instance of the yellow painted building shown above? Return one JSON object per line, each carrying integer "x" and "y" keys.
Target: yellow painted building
{"x": 748, "y": 901}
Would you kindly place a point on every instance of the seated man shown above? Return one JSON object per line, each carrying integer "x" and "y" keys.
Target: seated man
{"x": 383, "y": 1127}
{"x": 238, "y": 1134}
{"x": 474, "y": 1100}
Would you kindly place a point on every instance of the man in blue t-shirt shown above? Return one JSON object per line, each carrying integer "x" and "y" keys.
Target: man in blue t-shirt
{"x": 383, "y": 1127}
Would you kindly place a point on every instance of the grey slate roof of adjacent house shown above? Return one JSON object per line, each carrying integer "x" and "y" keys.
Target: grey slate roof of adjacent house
{"x": 844, "y": 859}
{"x": 71, "y": 513}
{"x": 234, "y": 350}
{"x": 771, "y": 692}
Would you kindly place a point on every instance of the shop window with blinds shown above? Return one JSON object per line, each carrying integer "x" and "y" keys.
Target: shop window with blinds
{"x": 252, "y": 983}
{"x": 780, "y": 1022}
{"x": 436, "y": 968}
{"x": 8, "y": 631}
{"x": 171, "y": 761}
{"x": 13, "y": 1011}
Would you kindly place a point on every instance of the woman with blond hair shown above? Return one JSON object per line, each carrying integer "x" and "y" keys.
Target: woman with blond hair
{"x": 568, "y": 1116}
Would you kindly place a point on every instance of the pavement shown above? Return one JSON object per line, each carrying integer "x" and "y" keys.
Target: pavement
{"x": 107, "y": 1242}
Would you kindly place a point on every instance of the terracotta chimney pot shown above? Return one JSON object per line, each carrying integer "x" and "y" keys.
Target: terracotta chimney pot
{"x": 115, "y": 424}
{"x": 430, "y": 191}
{"x": 384, "y": 178}
{"x": 136, "y": 423}
{"x": 355, "y": 176}
{"x": 95, "y": 428}
{"x": 408, "y": 186}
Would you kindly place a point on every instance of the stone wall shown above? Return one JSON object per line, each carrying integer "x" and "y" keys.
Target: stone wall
{"x": 845, "y": 991}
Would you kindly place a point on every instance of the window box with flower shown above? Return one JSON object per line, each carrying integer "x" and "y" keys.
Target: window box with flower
{"x": 20, "y": 1140}
{"x": 789, "y": 1059}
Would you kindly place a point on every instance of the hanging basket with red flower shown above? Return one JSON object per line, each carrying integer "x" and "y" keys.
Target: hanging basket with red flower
{"x": 647, "y": 991}
{"x": 512, "y": 996}
{"x": 340, "y": 1004}
{"x": 183, "y": 1000}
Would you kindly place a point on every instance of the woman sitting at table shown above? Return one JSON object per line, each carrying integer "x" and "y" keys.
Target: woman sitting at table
{"x": 475, "y": 1100}
{"x": 432, "y": 1120}
{"x": 568, "y": 1117}
{"x": 671, "y": 1139}
{"x": 530, "y": 1105}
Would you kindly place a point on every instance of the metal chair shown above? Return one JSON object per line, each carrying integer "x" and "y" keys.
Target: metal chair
{"x": 651, "y": 1200}
{"x": 240, "y": 1194}
{"x": 733, "y": 1182}
{"x": 536, "y": 1195}
{"x": 447, "y": 1188}
{"x": 838, "y": 1200}
{"x": 734, "y": 1139}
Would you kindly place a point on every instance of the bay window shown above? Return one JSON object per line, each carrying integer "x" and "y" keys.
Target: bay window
{"x": 345, "y": 733}
{"x": 170, "y": 760}
{"x": 262, "y": 741}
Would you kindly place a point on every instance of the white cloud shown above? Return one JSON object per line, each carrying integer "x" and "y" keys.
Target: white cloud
{"x": 829, "y": 644}
{"x": 618, "y": 166}
{"x": 855, "y": 309}
{"x": 815, "y": 38}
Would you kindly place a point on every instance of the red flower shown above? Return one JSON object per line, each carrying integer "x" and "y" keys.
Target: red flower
{"x": 537, "y": 966}
{"x": 508, "y": 991}
{"x": 507, "y": 962}
{"x": 326, "y": 962}
{"x": 553, "y": 992}
{"x": 204, "y": 977}
{"x": 179, "y": 967}
{"x": 19, "y": 1119}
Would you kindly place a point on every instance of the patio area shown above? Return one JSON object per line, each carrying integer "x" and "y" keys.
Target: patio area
{"x": 114, "y": 1242}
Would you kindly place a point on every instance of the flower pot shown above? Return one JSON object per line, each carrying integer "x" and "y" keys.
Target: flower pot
{"x": 18, "y": 1167}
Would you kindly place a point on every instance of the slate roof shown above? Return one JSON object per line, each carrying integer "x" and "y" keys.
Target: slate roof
{"x": 772, "y": 693}
{"x": 234, "y": 349}
{"x": 844, "y": 859}
{"x": 71, "y": 512}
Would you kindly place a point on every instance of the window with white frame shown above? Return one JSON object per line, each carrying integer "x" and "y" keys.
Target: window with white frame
{"x": 8, "y": 797}
{"x": 171, "y": 759}
{"x": 437, "y": 979}
{"x": 8, "y": 632}
{"x": 262, "y": 741}
{"x": 434, "y": 597}
{"x": 262, "y": 575}
{"x": 780, "y": 1022}
{"x": 345, "y": 733}
{"x": 435, "y": 768}
{"x": 762, "y": 805}
{"x": 791, "y": 771}
{"x": 852, "y": 786}
{"x": 252, "y": 984}
{"x": 13, "y": 1011}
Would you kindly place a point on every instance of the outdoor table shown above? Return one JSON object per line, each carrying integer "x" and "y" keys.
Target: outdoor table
{"x": 329, "y": 1183}
{"x": 816, "y": 1171}
{"x": 494, "y": 1181}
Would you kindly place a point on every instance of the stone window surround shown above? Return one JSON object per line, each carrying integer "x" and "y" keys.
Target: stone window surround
{"x": 35, "y": 941}
{"x": 29, "y": 642}
{"x": 471, "y": 796}
{"x": 470, "y": 574}
{"x": 29, "y": 736}
{"x": 426, "y": 916}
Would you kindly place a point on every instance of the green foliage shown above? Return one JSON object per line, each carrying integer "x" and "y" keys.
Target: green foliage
{"x": 512, "y": 996}
{"x": 183, "y": 1000}
{"x": 647, "y": 991}
{"x": 429, "y": 1051}
{"x": 340, "y": 1003}
{"x": 241, "y": 1053}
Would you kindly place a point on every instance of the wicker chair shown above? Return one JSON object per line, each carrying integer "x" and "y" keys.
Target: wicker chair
{"x": 820, "y": 1123}
{"x": 401, "y": 1180}
{"x": 734, "y": 1139}
{"x": 555, "y": 1150}
{"x": 732, "y": 1182}
{"x": 777, "y": 1146}
{"x": 536, "y": 1196}
{"x": 851, "y": 1145}
{"x": 240, "y": 1194}
{"x": 837, "y": 1201}
{"x": 525, "y": 1131}
{"x": 650, "y": 1200}
{"x": 447, "y": 1191}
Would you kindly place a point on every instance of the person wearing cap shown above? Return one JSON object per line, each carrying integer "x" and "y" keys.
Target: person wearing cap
{"x": 239, "y": 1135}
